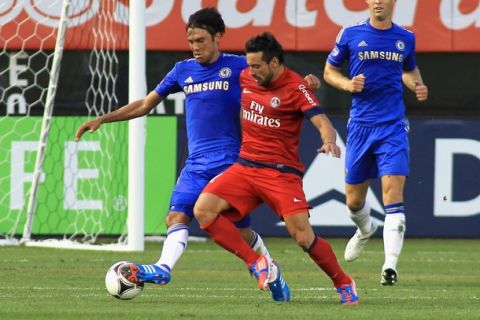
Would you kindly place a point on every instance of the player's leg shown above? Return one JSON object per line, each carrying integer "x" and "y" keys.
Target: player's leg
{"x": 229, "y": 197}
{"x": 176, "y": 240}
{"x": 322, "y": 254}
{"x": 252, "y": 237}
{"x": 277, "y": 284}
{"x": 394, "y": 227}
{"x": 172, "y": 249}
{"x": 178, "y": 230}
{"x": 359, "y": 212}
{"x": 284, "y": 194}
{"x": 393, "y": 168}
{"x": 189, "y": 185}
{"x": 216, "y": 163}
{"x": 208, "y": 211}
{"x": 360, "y": 166}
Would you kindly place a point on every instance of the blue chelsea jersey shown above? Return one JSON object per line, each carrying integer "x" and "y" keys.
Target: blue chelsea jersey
{"x": 382, "y": 56}
{"x": 212, "y": 101}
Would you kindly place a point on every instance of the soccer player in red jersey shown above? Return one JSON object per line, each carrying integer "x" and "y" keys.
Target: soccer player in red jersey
{"x": 274, "y": 102}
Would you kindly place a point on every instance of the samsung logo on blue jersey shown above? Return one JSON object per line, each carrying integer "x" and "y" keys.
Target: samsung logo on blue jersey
{"x": 206, "y": 86}
{"x": 383, "y": 55}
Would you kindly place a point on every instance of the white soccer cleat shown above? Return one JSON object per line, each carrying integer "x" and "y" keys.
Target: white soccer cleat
{"x": 357, "y": 243}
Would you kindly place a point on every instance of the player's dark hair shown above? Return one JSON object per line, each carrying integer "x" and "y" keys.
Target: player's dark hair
{"x": 208, "y": 19}
{"x": 266, "y": 43}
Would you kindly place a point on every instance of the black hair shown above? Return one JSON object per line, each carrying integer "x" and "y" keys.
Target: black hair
{"x": 266, "y": 43}
{"x": 208, "y": 19}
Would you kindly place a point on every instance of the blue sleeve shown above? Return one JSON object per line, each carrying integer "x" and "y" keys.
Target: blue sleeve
{"x": 340, "y": 52}
{"x": 410, "y": 62}
{"x": 244, "y": 62}
{"x": 169, "y": 84}
{"x": 239, "y": 61}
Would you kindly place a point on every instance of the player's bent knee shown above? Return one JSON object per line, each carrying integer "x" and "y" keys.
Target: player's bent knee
{"x": 201, "y": 213}
{"x": 175, "y": 217}
{"x": 303, "y": 243}
{"x": 205, "y": 210}
{"x": 302, "y": 239}
{"x": 355, "y": 204}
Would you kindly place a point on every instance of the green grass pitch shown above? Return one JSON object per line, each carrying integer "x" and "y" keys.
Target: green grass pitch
{"x": 438, "y": 279}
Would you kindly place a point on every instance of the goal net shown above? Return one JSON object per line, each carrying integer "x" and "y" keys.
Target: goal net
{"x": 72, "y": 193}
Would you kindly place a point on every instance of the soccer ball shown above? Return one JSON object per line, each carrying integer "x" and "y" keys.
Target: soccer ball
{"x": 118, "y": 286}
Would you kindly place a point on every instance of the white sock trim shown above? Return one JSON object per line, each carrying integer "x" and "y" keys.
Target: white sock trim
{"x": 362, "y": 218}
{"x": 174, "y": 245}
{"x": 259, "y": 247}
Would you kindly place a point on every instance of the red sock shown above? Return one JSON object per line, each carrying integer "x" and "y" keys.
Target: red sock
{"x": 225, "y": 234}
{"x": 321, "y": 252}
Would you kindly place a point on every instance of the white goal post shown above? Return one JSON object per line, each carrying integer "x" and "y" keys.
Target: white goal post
{"x": 55, "y": 192}
{"x": 137, "y": 128}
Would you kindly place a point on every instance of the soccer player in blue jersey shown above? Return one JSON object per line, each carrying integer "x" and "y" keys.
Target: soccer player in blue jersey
{"x": 210, "y": 82}
{"x": 380, "y": 55}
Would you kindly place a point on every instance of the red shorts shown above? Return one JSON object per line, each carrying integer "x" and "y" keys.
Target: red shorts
{"x": 245, "y": 188}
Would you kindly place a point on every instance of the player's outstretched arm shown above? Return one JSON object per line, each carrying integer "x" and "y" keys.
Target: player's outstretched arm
{"x": 413, "y": 81}
{"x": 335, "y": 78}
{"x": 130, "y": 111}
{"x": 328, "y": 134}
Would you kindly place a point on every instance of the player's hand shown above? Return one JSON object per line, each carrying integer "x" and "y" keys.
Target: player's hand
{"x": 356, "y": 84}
{"x": 330, "y": 148}
{"x": 91, "y": 126}
{"x": 313, "y": 81}
{"x": 421, "y": 91}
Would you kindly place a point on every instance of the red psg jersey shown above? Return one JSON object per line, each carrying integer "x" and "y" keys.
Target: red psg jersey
{"x": 272, "y": 118}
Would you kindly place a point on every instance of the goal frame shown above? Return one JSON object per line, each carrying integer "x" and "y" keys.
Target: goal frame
{"x": 134, "y": 239}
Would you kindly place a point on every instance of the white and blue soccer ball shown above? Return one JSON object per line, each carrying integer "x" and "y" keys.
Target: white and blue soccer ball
{"x": 118, "y": 286}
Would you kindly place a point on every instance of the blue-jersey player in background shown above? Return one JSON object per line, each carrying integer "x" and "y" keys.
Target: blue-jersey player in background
{"x": 210, "y": 82}
{"x": 380, "y": 55}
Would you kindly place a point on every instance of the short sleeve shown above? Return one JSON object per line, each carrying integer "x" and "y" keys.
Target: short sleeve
{"x": 305, "y": 99}
{"x": 340, "y": 51}
{"x": 410, "y": 61}
{"x": 169, "y": 84}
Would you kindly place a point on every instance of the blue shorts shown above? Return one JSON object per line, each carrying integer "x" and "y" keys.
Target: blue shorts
{"x": 196, "y": 174}
{"x": 376, "y": 151}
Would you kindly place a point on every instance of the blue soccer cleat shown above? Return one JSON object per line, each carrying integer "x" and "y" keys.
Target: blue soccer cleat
{"x": 261, "y": 270}
{"x": 278, "y": 287}
{"x": 150, "y": 273}
{"x": 348, "y": 294}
